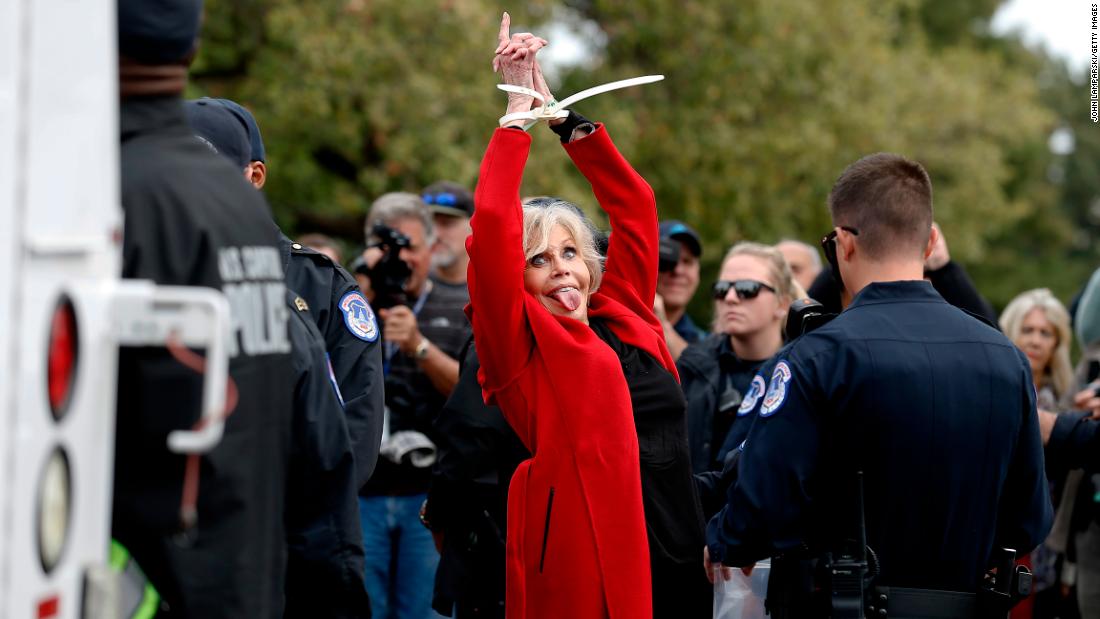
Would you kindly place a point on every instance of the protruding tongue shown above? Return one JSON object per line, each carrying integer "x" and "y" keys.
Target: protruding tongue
{"x": 571, "y": 299}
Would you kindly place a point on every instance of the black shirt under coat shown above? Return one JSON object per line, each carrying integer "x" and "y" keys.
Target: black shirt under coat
{"x": 467, "y": 503}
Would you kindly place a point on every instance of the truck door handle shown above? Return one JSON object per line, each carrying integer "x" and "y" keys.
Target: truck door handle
{"x": 150, "y": 315}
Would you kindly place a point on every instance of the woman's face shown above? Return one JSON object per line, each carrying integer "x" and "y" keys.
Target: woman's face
{"x": 1038, "y": 338}
{"x": 559, "y": 278}
{"x": 745, "y": 317}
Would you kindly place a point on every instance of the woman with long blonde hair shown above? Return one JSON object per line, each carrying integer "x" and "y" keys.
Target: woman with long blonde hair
{"x": 1038, "y": 324}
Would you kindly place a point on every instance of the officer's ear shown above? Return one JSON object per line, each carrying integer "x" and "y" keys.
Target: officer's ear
{"x": 933, "y": 238}
{"x": 845, "y": 244}
{"x": 257, "y": 174}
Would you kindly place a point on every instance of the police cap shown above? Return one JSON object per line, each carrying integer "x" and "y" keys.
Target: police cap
{"x": 219, "y": 129}
{"x": 158, "y": 31}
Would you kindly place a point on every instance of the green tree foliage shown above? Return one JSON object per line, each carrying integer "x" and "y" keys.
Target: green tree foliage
{"x": 764, "y": 104}
{"x": 767, "y": 102}
{"x": 356, "y": 98}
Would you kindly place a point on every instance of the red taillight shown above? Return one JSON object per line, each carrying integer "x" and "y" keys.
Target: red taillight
{"x": 49, "y": 607}
{"x": 64, "y": 341}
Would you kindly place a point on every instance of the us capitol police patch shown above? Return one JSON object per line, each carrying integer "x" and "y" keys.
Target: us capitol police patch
{"x": 756, "y": 391}
{"x": 777, "y": 389}
{"x": 358, "y": 316}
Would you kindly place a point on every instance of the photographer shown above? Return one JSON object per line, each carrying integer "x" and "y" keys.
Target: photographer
{"x": 424, "y": 330}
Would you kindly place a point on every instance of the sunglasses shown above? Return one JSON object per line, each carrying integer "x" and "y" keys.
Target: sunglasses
{"x": 440, "y": 199}
{"x": 745, "y": 288}
{"x": 828, "y": 244}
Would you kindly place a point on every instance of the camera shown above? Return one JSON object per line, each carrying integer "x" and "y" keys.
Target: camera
{"x": 390, "y": 274}
{"x": 668, "y": 252}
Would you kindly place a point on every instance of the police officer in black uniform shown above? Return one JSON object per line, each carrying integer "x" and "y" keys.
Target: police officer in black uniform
{"x": 325, "y": 542}
{"x": 190, "y": 220}
{"x": 933, "y": 406}
{"x": 352, "y": 338}
{"x": 343, "y": 316}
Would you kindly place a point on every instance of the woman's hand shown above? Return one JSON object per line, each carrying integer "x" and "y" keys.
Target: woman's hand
{"x": 515, "y": 61}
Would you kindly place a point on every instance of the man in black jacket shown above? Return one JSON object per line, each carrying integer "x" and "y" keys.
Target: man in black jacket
{"x": 325, "y": 543}
{"x": 344, "y": 317}
{"x": 191, "y": 220}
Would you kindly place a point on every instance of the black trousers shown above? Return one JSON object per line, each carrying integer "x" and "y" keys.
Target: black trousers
{"x": 681, "y": 590}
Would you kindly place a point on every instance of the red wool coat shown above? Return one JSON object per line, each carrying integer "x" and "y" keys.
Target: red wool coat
{"x": 576, "y": 527}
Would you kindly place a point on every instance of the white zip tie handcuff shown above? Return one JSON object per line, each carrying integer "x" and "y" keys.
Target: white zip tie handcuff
{"x": 552, "y": 109}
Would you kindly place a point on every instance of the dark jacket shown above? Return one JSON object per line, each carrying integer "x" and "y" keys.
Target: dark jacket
{"x": 352, "y": 339}
{"x": 935, "y": 408}
{"x": 192, "y": 220}
{"x": 715, "y": 382}
{"x": 1074, "y": 443}
{"x": 324, "y": 538}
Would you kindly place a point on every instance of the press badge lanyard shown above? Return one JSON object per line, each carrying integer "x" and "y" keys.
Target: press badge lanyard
{"x": 390, "y": 347}
{"x": 552, "y": 109}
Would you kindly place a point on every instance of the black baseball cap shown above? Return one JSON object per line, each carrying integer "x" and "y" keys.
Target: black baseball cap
{"x": 255, "y": 139}
{"x": 220, "y": 129}
{"x": 678, "y": 230}
{"x": 158, "y": 31}
{"x": 447, "y": 198}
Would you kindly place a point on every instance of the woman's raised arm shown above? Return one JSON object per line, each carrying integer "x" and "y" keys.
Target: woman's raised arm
{"x": 629, "y": 202}
{"x": 497, "y": 262}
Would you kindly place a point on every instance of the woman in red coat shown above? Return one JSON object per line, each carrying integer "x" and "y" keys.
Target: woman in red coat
{"x": 553, "y": 331}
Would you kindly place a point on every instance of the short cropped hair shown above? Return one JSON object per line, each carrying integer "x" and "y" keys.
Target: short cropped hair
{"x": 778, "y": 269}
{"x": 1012, "y": 323}
{"x": 397, "y": 205}
{"x": 888, "y": 198}
{"x": 540, "y": 215}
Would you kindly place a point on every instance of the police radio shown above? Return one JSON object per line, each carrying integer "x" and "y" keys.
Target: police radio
{"x": 847, "y": 571}
{"x": 804, "y": 316}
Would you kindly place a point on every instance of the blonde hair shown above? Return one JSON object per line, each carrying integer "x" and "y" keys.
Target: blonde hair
{"x": 1012, "y": 323}
{"x": 780, "y": 271}
{"x": 539, "y": 218}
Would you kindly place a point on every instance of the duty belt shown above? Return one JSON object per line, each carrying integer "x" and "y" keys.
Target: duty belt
{"x": 905, "y": 603}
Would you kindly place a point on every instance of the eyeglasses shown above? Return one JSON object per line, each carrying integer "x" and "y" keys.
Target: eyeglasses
{"x": 440, "y": 199}
{"x": 828, "y": 244}
{"x": 745, "y": 288}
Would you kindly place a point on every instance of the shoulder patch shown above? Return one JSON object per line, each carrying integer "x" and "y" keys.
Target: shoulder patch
{"x": 756, "y": 391}
{"x": 358, "y": 316}
{"x": 777, "y": 390}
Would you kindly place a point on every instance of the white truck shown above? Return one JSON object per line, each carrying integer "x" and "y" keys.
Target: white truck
{"x": 64, "y": 311}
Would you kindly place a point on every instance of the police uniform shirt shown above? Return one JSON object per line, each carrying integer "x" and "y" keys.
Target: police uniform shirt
{"x": 716, "y": 384}
{"x": 938, "y": 411}
{"x": 192, "y": 220}
{"x": 687, "y": 329}
{"x": 352, "y": 339}
{"x": 324, "y": 538}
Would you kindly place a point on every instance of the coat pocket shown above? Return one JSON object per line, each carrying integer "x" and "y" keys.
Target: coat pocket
{"x": 546, "y": 528}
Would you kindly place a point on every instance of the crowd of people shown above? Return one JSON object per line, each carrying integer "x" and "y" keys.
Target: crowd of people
{"x": 500, "y": 410}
